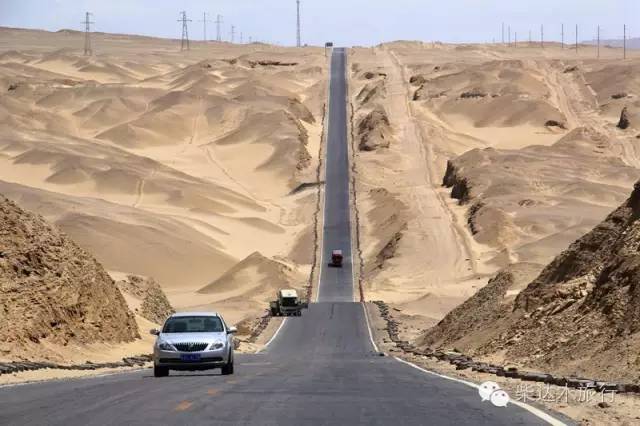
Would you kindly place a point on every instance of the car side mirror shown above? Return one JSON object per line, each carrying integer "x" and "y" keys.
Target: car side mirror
{"x": 154, "y": 331}
{"x": 232, "y": 330}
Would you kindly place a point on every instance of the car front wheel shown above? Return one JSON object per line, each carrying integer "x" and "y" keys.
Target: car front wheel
{"x": 228, "y": 368}
{"x": 160, "y": 371}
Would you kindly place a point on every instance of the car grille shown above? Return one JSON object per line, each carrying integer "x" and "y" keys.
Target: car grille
{"x": 190, "y": 347}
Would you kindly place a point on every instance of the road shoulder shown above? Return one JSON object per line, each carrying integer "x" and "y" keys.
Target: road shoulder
{"x": 624, "y": 409}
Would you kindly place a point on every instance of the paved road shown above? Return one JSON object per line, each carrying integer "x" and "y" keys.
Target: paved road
{"x": 320, "y": 369}
{"x": 336, "y": 284}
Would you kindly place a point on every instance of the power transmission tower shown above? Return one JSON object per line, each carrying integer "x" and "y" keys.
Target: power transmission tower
{"x": 218, "y": 32}
{"x": 233, "y": 34}
{"x": 184, "y": 42}
{"x": 87, "y": 34}
{"x": 562, "y": 32}
{"x": 298, "y": 38}
{"x": 576, "y": 38}
{"x": 204, "y": 22}
{"x": 515, "y": 43}
{"x": 542, "y": 36}
{"x": 241, "y": 37}
{"x": 503, "y": 33}
{"x": 529, "y": 37}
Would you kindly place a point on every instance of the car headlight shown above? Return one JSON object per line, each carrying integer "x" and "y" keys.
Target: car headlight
{"x": 217, "y": 345}
{"x": 164, "y": 346}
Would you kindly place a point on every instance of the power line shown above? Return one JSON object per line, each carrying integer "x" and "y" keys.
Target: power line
{"x": 87, "y": 34}
{"x": 218, "y": 32}
{"x": 298, "y": 38}
{"x": 204, "y": 21}
{"x": 184, "y": 42}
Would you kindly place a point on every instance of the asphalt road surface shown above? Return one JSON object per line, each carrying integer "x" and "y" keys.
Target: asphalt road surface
{"x": 320, "y": 369}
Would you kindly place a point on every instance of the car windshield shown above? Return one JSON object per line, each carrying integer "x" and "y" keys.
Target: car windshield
{"x": 289, "y": 301}
{"x": 194, "y": 324}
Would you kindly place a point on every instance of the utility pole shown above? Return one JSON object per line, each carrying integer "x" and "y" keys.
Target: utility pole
{"x": 204, "y": 22}
{"x": 233, "y": 34}
{"x": 503, "y": 33}
{"x": 542, "y": 36}
{"x": 241, "y": 38}
{"x": 298, "y": 38}
{"x": 516, "y": 40}
{"x": 529, "y": 37}
{"x": 184, "y": 41}
{"x": 624, "y": 42}
{"x": 218, "y": 23}
{"x": 509, "y": 35}
{"x": 87, "y": 34}
{"x": 598, "y": 41}
{"x": 562, "y": 32}
{"x": 576, "y": 38}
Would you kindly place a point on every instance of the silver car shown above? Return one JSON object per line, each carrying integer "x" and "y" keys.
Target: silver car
{"x": 193, "y": 341}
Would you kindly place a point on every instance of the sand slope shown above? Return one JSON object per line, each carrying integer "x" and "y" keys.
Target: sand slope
{"x": 166, "y": 164}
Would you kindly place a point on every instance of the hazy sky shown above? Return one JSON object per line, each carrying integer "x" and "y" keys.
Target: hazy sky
{"x": 346, "y": 22}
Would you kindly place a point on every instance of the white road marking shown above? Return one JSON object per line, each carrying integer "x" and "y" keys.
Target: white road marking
{"x": 274, "y": 336}
{"x": 366, "y": 317}
{"x": 69, "y": 378}
{"x": 533, "y": 410}
{"x": 354, "y": 291}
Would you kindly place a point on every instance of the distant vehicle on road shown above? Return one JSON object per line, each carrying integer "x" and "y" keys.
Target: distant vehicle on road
{"x": 336, "y": 258}
{"x": 193, "y": 341}
{"x": 287, "y": 304}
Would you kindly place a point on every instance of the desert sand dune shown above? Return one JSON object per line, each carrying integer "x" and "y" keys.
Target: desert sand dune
{"x": 167, "y": 164}
{"x": 526, "y": 140}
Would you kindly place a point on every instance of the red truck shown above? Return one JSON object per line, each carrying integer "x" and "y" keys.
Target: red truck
{"x": 336, "y": 258}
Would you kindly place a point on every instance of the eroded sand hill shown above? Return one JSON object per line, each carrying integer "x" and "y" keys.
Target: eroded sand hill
{"x": 166, "y": 164}
{"x": 53, "y": 294}
{"x": 580, "y": 316}
{"x": 145, "y": 297}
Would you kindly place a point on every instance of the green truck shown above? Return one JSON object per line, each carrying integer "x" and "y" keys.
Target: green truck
{"x": 287, "y": 304}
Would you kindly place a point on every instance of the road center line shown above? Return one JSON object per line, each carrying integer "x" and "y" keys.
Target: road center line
{"x": 183, "y": 406}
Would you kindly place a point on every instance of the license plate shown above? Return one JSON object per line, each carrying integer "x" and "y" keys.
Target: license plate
{"x": 190, "y": 357}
